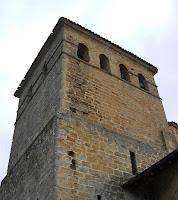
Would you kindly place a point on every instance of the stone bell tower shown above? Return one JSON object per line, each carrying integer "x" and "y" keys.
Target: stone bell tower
{"x": 89, "y": 117}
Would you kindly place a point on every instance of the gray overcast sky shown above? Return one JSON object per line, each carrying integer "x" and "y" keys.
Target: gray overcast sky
{"x": 148, "y": 28}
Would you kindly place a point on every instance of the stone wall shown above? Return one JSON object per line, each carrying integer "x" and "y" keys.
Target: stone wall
{"x": 170, "y": 137}
{"x": 93, "y": 160}
{"x": 106, "y": 99}
{"x": 37, "y": 108}
{"x": 116, "y": 56}
{"x": 100, "y": 120}
{"x": 104, "y": 118}
{"x": 32, "y": 177}
{"x": 173, "y": 129}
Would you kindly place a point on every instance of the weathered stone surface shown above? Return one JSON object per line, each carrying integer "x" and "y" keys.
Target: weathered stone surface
{"x": 35, "y": 111}
{"x": 102, "y": 159}
{"x": 32, "y": 177}
{"x": 77, "y": 124}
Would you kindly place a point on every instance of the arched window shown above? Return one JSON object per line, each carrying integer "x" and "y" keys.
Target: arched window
{"x": 104, "y": 63}
{"x": 124, "y": 73}
{"x": 142, "y": 82}
{"x": 82, "y": 52}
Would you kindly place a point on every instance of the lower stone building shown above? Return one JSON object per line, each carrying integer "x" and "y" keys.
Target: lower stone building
{"x": 90, "y": 125}
{"x": 156, "y": 182}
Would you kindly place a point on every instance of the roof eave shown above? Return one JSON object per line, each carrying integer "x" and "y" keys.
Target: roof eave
{"x": 57, "y": 27}
{"x": 151, "y": 67}
{"x": 42, "y": 51}
{"x": 153, "y": 170}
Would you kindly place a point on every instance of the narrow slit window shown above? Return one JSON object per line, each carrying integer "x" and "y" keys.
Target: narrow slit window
{"x": 133, "y": 163}
{"x": 98, "y": 197}
{"x": 45, "y": 69}
{"x": 30, "y": 91}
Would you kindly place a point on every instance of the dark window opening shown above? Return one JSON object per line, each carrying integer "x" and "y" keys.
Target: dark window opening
{"x": 71, "y": 153}
{"x": 30, "y": 91}
{"x": 142, "y": 82}
{"x": 133, "y": 163}
{"x": 104, "y": 63}
{"x": 73, "y": 109}
{"x": 98, "y": 197}
{"x": 45, "y": 69}
{"x": 124, "y": 73}
{"x": 82, "y": 52}
{"x": 73, "y": 164}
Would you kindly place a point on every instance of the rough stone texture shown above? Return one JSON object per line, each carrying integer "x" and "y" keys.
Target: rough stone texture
{"x": 105, "y": 98}
{"x": 98, "y": 116}
{"x": 170, "y": 137}
{"x": 173, "y": 129}
{"x": 102, "y": 159}
{"x": 32, "y": 177}
{"x": 169, "y": 140}
{"x": 35, "y": 110}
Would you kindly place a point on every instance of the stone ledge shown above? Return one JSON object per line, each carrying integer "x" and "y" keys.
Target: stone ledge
{"x": 174, "y": 124}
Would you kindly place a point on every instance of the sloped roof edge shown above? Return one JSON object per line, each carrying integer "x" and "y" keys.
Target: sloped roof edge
{"x": 153, "y": 170}
{"x": 150, "y": 66}
{"x": 51, "y": 37}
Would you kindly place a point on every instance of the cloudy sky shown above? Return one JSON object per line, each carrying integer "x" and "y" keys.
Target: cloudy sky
{"x": 148, "y": 28}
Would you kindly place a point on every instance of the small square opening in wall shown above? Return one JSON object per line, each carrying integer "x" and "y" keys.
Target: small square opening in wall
{"x": 98, "y": 197}
{"x": 71, "y": 153}
{"x": 73, "y": 109}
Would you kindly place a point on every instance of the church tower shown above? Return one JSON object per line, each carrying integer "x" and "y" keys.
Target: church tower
{"x": 89, "y": 118}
